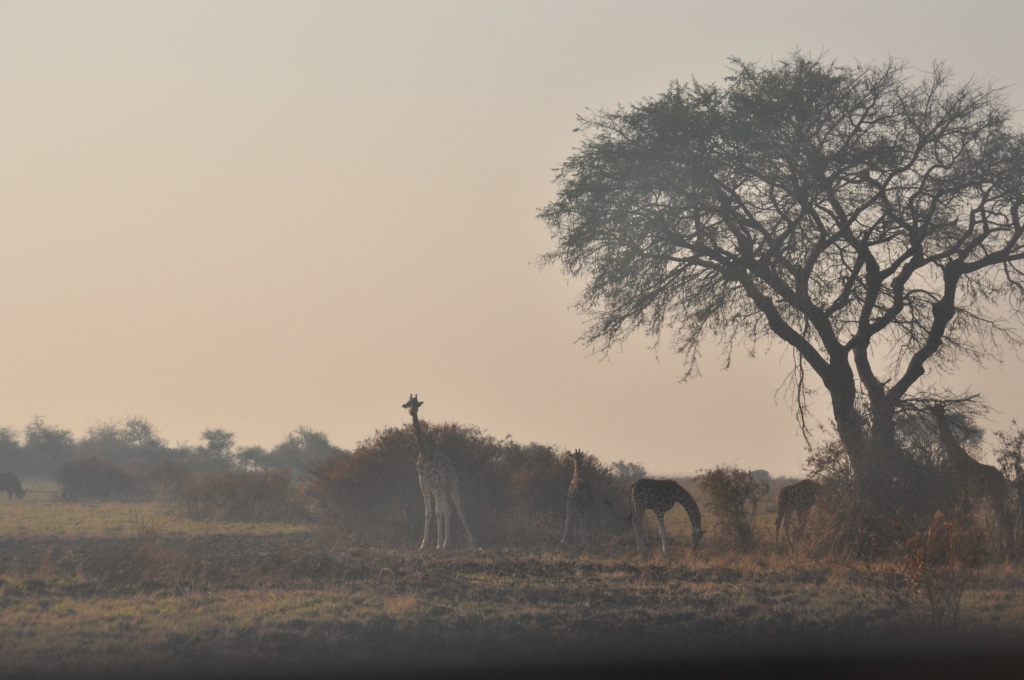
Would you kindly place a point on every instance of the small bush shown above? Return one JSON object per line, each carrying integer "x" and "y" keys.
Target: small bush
{"x": 733, "y": 496}
{"x": 242, "y": 496}
{"x": 88, "y": 479}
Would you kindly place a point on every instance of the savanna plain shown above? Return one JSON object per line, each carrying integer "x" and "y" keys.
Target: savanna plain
{"x": 141, "y": 587}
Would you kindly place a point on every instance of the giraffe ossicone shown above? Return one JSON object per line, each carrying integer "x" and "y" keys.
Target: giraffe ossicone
{"x": 438, "y": 481}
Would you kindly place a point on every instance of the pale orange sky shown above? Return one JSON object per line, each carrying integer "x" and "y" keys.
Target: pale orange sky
{"x": 255, "y": 216}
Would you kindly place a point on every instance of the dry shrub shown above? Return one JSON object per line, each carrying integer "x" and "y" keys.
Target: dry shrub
{"x": 242, "y": 496}
{"x": 513, "y": 495}
{"x": 733, "y": 496}
{"x": 150, "y": 560}
{"x": 932, "y": 570}
{"x": 92, "y": 479}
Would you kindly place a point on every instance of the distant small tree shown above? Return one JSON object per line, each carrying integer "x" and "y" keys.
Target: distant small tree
{"x": 215, "y": 454}
{"x": 11, "y": 455}
{"x": 132, "y": 441}
{"x": 218, "y": 443}
{"x": 252, "y": 457}
{"x": 302, "y": 447}
{"x": 46, "y": 447}
{"x": 629, "y": 471}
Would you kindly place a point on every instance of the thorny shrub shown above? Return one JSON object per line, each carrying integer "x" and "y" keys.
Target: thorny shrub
{"x": 242, "y": 496}
{"x": 733, "y": 496}
{"x": 928, "y": 576}
{"x": 513, "y": 495}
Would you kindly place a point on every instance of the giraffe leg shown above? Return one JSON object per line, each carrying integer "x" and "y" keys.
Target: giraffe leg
{"x": 778, "y": 523}
{"x": 438, "y": 510}
{"x": 583, "y": 528}
{"x": 456, "y": 498}
{"x": 660, "y": 528}
{"x": 785, "y": 524}
{"x": 638, "y": 530}
{"x": 426, "y": 517}
{"x": 447, "y": 522}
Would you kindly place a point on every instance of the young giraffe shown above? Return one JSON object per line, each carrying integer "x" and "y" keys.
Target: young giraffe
{"x": 437, "y": 479}
{"x": 976, "y": 479}
{"x": 660, "y": 495}
{"x": 579, "y": 498}
{"x": 800, "y": 497}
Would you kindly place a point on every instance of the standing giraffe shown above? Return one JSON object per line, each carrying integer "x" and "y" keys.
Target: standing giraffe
{"x": 976, "y": 479}
{"x": 800, "y": 497}
{"x": 579, "y": 498}
{"x": 437, "y": 479}
{"x": 660, "y": 495}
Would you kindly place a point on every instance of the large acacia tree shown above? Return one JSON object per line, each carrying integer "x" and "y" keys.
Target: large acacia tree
{"x": 868, "y": 219}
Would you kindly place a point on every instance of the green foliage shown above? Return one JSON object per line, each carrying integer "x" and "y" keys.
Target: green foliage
{"x": 513, "y": 495}
{"x": 733, "y": 496}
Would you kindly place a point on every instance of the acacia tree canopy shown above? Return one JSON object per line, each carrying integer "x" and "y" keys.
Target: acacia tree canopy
{"x": 869, "y": 220}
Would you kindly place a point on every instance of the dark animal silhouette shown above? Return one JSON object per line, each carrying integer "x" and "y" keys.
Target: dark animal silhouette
{"x": 10, "y": 483}
{"x": 799, "y": 498}
{"x": 660, "y": 495}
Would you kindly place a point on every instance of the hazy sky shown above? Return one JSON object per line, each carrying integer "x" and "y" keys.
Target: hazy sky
{"x": 255, "y": 216}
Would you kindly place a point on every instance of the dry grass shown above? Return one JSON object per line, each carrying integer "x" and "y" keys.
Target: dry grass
{"x": 135, "y": 588}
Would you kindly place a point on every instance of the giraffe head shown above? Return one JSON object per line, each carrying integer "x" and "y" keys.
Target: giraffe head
{"x": 696, "y": 536}
{"x": 413, "y": 405}
{"x": 577, "y": 457}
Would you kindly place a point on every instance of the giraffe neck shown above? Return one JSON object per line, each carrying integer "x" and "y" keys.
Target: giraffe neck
{"x": 426, "y": 450}
{"x": 686, "y": 500}
{"x": 957, "y": 456}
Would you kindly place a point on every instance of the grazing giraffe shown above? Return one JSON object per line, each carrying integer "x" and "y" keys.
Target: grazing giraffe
{"x": 800, "y": 497}
{"x": 975, "y": 479}
{"x": 579, "y": 498}
{"x": 660, "y": 495}
{"x": 437, "y": 479}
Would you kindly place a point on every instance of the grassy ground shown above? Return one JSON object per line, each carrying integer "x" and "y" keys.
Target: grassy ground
{"x": 138, "y": 589}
